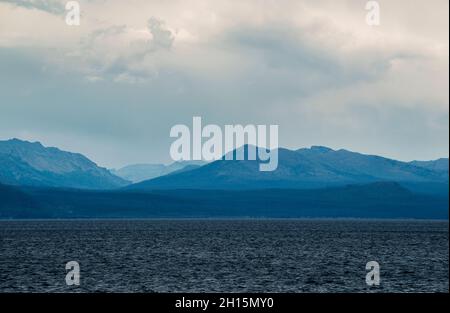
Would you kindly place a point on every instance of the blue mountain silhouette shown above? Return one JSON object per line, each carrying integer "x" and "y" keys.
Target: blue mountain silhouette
{"x": 316, "y": 167}
{"x": 31, "y": 164}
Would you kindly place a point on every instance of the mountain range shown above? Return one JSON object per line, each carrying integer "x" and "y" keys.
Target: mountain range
{"x": 43, "y": 182}
{"x": 316, "y": 167}
{"x": 32, "y": 164}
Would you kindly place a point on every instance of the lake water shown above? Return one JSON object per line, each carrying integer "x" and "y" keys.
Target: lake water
{"x": 224, "y": 255}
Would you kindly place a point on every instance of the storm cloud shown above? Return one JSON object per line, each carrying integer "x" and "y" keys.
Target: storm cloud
{"x": 113, "y": 87}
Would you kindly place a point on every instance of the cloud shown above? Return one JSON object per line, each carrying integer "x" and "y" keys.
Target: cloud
{"x": 119, "y": 52}
{"x": 51, "y": 6}
{"x": 161, "y": 36}
{"x": 129, "y": 72}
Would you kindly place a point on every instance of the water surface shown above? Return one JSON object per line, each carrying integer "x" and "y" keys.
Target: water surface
{"x": 224, "y": 255}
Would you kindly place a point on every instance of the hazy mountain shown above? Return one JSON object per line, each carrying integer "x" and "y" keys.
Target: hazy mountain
{"x": 188, "y": 167}
{"x": 32, "y": 164}
{"x": 304, "y": 168}
{"x": 140, "y": 172}
{"x": 436, "y": 165}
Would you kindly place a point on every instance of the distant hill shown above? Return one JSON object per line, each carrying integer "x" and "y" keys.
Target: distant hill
{"x": 140, "y": 172}
{"x": 14, "y": 198}
{"x": 31, "y": 164}
{"x": 375, "y": 200}
{"x": 316, "y": 167}
{"x": 436, "y": 165}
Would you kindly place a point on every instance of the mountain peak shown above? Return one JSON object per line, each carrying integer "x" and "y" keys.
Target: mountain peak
{"x": 321, "y": 149}
{"x": 315, "y": 167}
{"x": 25, "y": 142}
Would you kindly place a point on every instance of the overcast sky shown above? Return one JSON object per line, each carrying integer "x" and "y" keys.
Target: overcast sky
{"x": 113, "y": 87}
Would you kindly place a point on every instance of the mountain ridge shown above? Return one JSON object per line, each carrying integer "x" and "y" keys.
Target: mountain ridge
{"x": 441, "y": 164}
{"x": 314, "y": 167}
{"x": 30, "y": 163}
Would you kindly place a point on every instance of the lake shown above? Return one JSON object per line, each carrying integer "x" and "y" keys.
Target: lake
{"x": 224, "y": 255}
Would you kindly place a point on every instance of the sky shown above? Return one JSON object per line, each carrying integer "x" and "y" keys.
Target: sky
{"x": 112, "y": 87}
